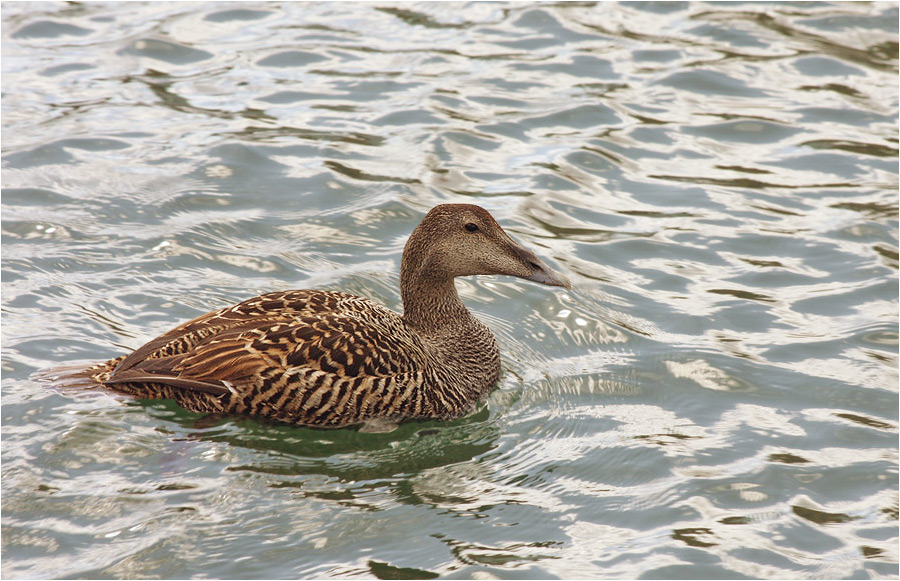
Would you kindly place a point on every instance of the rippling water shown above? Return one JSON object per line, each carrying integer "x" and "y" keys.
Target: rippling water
{"x": 717, "y": 397}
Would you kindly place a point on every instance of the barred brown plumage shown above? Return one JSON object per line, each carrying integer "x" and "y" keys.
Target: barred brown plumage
{"x": 329, "y": 359}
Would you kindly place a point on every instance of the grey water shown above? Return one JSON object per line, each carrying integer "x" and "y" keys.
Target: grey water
{"x": 716, "y": 397}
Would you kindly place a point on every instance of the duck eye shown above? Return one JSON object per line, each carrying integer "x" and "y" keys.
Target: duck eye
{"x": 471, "y": 227}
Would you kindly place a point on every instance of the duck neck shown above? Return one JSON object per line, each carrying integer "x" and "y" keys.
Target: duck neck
{"x": 431, "y": 304}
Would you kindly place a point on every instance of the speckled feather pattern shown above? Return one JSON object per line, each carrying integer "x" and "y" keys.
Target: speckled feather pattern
{"x": 329, "y": 359}
{"x": 306, "y": 357}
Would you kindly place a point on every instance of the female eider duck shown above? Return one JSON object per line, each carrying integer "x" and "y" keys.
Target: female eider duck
{"x": 329, "y": 359}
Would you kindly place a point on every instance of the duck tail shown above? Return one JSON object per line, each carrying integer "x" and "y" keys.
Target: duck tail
{"x": 76, "y": 376}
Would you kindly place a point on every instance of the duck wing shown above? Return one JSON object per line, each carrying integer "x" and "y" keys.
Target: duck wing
{"x": 237, "y": 349}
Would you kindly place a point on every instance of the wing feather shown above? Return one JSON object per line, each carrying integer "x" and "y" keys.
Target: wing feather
{"x": 239, "y": 348}
{"x": 131, "y": 376}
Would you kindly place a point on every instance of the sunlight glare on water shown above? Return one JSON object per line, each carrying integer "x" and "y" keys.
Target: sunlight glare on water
{"x": 715, "y": 398}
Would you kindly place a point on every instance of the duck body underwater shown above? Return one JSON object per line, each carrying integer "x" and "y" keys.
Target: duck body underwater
{"x": 328, "y": 359}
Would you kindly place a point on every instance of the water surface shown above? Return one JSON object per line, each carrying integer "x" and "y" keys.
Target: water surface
{"x": 717, "y": 397}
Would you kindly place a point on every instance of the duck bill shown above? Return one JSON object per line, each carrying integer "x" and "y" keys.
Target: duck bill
{"x": 546, "y": 275}
{"x": 540, "y": 272}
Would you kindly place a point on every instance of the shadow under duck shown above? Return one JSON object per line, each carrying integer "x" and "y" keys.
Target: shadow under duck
{"x": 329, "y": 359}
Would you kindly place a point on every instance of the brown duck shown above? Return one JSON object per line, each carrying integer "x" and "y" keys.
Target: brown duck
{"x": 329, "y": 359}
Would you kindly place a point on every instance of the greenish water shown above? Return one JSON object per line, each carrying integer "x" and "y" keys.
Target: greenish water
{"x": 717, "y": 397}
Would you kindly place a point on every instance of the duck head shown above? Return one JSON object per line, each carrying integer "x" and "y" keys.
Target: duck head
{"x": 464, "y": 240}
